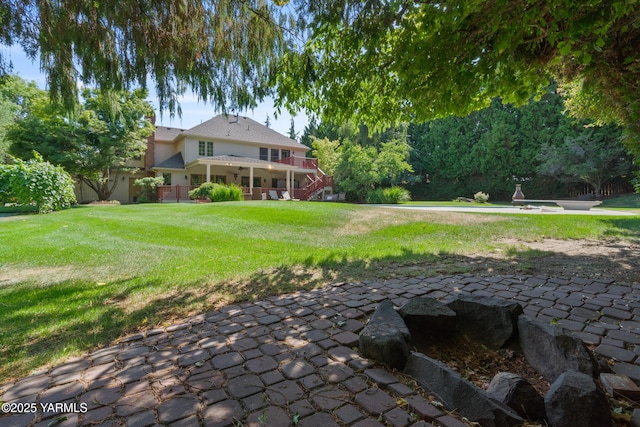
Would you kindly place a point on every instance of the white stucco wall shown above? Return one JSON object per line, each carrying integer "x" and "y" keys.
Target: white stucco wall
{"x": 163, "y": 151}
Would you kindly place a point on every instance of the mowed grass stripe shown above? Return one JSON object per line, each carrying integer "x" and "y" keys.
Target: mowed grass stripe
{"x": 75, "y": 280}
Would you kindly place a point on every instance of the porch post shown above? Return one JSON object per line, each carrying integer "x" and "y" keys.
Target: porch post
{"x": 208, "y": 179}
{"x": 251, "y": 179}
{"x": 289, "y": 181}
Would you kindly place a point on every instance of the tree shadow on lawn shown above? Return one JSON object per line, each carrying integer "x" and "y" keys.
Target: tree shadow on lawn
{"x": 626, "y": 228}
{"x": 611, "y": 261}
{"x": 44, "y": 324}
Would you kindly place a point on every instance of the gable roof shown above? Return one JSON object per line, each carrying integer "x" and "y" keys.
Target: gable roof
{"x": 164, "y": 133}
{"x": 232, "y": 128}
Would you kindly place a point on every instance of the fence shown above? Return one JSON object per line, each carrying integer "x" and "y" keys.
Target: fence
{"x": 174, "y": 193}
{"x": 605, "y": 191}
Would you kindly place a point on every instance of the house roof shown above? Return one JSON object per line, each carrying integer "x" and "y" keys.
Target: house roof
{"x": 237, "y": 159}
{"x": 232, "y": 128}
{"x": 174, "y": 162}
{"x": 231, "y": 160}
{"x": 164, "y": 133}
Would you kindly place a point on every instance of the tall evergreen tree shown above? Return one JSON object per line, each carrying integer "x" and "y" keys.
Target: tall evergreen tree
{"x": 292, "y": 130}
{"x": 492, "y": 149}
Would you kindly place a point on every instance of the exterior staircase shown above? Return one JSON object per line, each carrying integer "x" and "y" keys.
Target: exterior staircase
{"x": 316, "y": 184}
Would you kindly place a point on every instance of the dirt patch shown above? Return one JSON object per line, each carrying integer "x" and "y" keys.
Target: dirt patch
{"x": 104, "y": 203}
{"x": 366, "y": 220}
{"x": 605, "y": 260}
{"x": 594, "y": 259}
{"x": 480, "y": 364}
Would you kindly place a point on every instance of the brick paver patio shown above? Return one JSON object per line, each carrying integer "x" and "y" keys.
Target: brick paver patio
{"x": 292, "y": 359}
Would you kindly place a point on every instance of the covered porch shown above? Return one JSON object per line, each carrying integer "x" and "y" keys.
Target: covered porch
{"x": 256, "y": 177}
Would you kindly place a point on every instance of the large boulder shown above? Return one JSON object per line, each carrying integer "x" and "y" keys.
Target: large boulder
{"x": 385, "y": 338}
{"x": 491, "y": 321}
{"x": 518, "y": 394}
{"x": 384, "y": 343}
{"x": 428, "y": 316}
{"x": 385, "y": 313}
{"x": 458, "y": 394}
{"x": 552, "y": 350}
{"x": 574, "y": 399}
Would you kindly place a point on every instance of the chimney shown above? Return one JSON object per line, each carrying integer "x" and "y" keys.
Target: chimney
{"x": 150, "y": 153}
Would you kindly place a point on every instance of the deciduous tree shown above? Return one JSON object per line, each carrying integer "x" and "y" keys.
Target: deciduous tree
{"x": 361, "y": 168}
{"x": 327, "y": 152}
{"x": 95, "y": 144}
{"x": 381, "y": 62}
{"x": 15, "y": 97}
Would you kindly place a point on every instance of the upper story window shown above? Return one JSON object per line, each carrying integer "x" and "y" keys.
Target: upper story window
{"x": 205, "y": 148}
{"x": 275, "y": 154}
{"x": 286, "y": 154}
{"x": 264, "y": 154}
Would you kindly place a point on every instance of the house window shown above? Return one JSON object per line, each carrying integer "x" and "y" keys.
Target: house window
{"x": 220, "y": 179}
{"x": 244, "y": 181}
{"x": 257, "y": 182}
{"x": 286, "y": 154}
{"x": 274, "y": 182}
{"x": 205, "y": 148}
{"x": 264, "y": 154}
{"x": 201, "y": 179}
{"x": 275, "y": 154}
{"x": 167, "y": 178}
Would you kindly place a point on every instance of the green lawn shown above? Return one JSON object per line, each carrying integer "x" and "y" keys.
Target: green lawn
{"x": 74, "y": 280}
{"x": 628, "y": 201}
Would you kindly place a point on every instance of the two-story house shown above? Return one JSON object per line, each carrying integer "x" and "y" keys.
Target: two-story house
{"x": 231, "y": 150}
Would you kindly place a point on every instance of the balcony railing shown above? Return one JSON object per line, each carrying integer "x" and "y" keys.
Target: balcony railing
{"x": 300, "y": 162}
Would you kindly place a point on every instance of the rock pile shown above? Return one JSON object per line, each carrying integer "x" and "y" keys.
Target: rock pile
{"x": 554, "y": 352}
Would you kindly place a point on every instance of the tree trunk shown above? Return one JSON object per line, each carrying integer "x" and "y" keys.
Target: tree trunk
{"x": 101, "y": 187}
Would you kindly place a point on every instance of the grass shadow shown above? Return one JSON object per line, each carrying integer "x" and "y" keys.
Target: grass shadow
{"x": 626, "y": 227}
{"x": 44, "y": 324}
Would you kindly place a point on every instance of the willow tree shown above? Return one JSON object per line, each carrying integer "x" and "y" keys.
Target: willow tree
{"x": 221, "y": 49}
{"x": 384, "y": 61}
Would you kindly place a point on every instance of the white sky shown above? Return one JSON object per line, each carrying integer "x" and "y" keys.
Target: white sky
{"x": 193, "y": 112}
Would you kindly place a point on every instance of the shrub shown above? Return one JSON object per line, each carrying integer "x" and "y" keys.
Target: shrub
{"x": 149, "y": 185}
{"x": 34, "y": 182}
{"x": 203, "y": 192}
{"x": 223, "y": 193}
{"x": 217, "y": 192}
{"x": 6, "y": 196}
{"x": 391, "y": 195}
{"x": 481, "y": 197}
